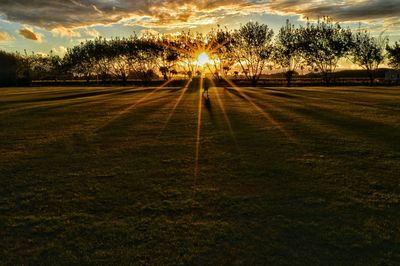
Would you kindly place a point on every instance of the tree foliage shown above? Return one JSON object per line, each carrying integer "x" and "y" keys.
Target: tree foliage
{"x": 253, "y": 49}
{"x": 79, "y": 60}
{"x": 323, "y": 44}
{"x": 8, "y": 69}
{"x": 368, "y": 52}
{"x": 220, "y": 43}
{"x": 43, "y": 66}
{"x": 168, "y": 55}
{"x": 15, "y": 69}
{"x": 190, "y": 45}
{"x": 287, "y": 52}
{"x": 394, "y": 55}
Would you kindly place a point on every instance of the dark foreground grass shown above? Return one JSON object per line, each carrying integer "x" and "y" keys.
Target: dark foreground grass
{"x": 301, "y": 176}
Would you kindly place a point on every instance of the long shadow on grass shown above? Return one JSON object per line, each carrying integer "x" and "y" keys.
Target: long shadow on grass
{"x": 383, "y": 91}
{"x": 380, "y": 132}
{"x": 93, "y": 96}
{"x": 271, "y": 120}
{"x": 260, "y": 165}
{"x": 173, "y": 109}
{"x": 296, "y": 95}
{"x": 383, "y": 133}
{"x": 296, "y": 201}
{"x": 208, "y": 106}
{"x": 102, "y": 191}
{"x": 60, "y": 138}
{"x": 58, "y": 103}
{"x": 389, "y": 107}
{"x": 76, "y": 96}
{"x": 125, "y": 113}
{"x": 326, "y": 92}
{"x": 67, "y": 164}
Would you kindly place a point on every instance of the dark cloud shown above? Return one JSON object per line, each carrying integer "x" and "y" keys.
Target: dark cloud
{"x": 67, "y": 14}
{"x": 52, "y": 14}
{"x": 30, "y": 35}
{"x": 345, "y": 10}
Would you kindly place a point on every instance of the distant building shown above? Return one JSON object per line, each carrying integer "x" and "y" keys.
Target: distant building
{"x": 392, "y": 76}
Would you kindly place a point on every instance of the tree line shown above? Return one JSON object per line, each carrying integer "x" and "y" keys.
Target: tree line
{"x": 249, "y": 51}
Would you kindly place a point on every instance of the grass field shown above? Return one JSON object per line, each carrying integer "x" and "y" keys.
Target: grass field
{"x": 282, "y": 176}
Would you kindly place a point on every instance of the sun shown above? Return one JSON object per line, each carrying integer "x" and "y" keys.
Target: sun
{"x": 203, "y": 59}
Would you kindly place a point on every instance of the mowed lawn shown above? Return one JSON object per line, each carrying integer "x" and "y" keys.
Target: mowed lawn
{"x": 266, "y": 176}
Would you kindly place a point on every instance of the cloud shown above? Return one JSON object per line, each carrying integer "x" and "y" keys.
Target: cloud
{"x": 82, "y": 13}
{"x": 58, "y": 15}
{"x": 5, "y": 37}
{"x": 61, "y": 50}
{"x": 64, "y": 32}
{"x": 382, "y": 12}
{"x": 345, "y": 10}
{"x": 30, "y": 35}
{"x": 92, "y": 33}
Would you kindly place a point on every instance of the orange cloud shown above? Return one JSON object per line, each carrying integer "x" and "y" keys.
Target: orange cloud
{"x": 30, "y": 35}
{"x": 92, "y": 33}
{"x": 5, "y": 37}
{"x": 71, "y": 14}
{"x": 64, "y": 32}
{"x": 61, "y": 14}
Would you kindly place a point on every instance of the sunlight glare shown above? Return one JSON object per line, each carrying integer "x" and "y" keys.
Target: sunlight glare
{"x": 203, "y": 59}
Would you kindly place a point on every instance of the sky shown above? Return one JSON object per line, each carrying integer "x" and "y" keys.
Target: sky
{"x": 43, "y": 25}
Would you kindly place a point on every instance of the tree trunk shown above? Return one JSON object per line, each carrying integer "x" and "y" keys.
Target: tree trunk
{"x": 326, "y": 78}
{"x": 289, "y": 76}
{"x": 124, "y": 79}
{"x": 254, "y": 82}
{"x": 371, "y": 78}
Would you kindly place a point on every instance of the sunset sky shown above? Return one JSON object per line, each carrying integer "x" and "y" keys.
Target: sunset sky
{"x": 44, "y": 25}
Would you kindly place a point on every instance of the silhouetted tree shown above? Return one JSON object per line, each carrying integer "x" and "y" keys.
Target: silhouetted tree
{"x": 368, "y": 52}
{"x": 15, "y": 69}
{"x": 144, "y": 58}
{"x": 79, "y": 60}
{"x": 56, "y": 66}
{"x": 173, "y": 72}
{"x": 24, "y": 70}
{"x": 44, "y": 66}
{"x": 168, "y": 54}
{"x": 253, "y": 49}
{"x": 220, "y": 47}
{"x": 189, "y": 45}
{"x": 393, "y": 53}
{"x": 323, "y": 44}
{"x": 101, "y": 51}
{"x": 118, "y": 58}
{"x": 8, "y": 69}
{"x": 287, "y": 50}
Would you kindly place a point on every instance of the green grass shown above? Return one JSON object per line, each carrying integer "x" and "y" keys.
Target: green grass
{"x": 297, "y": 176}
